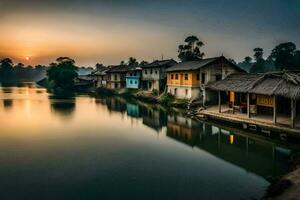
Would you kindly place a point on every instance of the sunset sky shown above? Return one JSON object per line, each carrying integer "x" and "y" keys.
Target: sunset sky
{"x": 103, "y": 31}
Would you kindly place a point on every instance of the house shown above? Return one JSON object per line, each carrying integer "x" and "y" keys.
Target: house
{"x": 133, "y": 77}
{"x": 100, "y": 76}
{"x": 154, "y": 75}
{"x": 117, "y": 76}
{"x": 187, "y": 80}
{"x": 270, "y": 98}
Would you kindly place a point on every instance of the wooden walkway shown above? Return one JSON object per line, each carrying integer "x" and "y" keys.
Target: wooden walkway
{"x": 264, "y": 122}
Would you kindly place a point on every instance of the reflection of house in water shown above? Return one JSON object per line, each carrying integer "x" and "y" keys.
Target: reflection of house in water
{"x": 133, "y": 110}
{"x": 154, "y": 117}
{"x": 259, "y": 156}
{"x": 116, "y": 104}
{"x": 180, "y": 128}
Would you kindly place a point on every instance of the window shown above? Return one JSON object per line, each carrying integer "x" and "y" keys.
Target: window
{"x": 198, "y": 77}
{"x": 218, "y": 77}
{"x": 203, "y": 76}
{"x": 172, "y": 76}
{"x": 176, "y": 76}
{"x": 146, "y": 72}
{"x": 186, "y": 77}
{"x": 116, "y": 85}
{"x": 186, "y": 92}
{"x": 116, "y": 77}
{"x": 134, "y": 73}
{"x": 151, "y": 71}
{"x": 135, "y": 82}
{"x": 155, "y": 71}
{"x": 130, "y": 81}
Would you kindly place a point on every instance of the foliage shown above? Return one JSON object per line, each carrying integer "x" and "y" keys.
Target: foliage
{"x": 259, "y": 65}
{"x": 63, "y": 73}
{"x": 6, "y": 68}
{"x": 132, "y": 62}
{"x": 143, "y": 63}
{"x": 155, "y": 92}
{"x": 246, "y": 64}
{"x": 190, "y": 51}
{"x": 283, "y": 55}
{"x": 167, "y": 99}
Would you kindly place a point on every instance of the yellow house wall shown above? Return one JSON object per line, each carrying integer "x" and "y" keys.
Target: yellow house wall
{"x": 192, "y": 79}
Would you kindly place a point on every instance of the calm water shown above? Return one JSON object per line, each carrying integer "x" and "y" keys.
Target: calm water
{"x": 109, "y": 148}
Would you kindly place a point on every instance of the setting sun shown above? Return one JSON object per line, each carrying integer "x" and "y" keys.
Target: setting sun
{"x": 27, "y": 58}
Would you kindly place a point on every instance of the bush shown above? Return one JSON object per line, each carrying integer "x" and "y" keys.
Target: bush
{"x": 167, "y": 99}
{"x": 155, "y": 92}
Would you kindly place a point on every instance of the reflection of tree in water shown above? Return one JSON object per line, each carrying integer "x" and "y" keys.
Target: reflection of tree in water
{"x": 7, "y": 103}
{"x": 63, "y": 106}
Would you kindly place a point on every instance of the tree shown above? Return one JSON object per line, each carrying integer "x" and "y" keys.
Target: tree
{"x": 258, "y": 53}
{"x": 283, "y": 55}
{"x": 246, "y": 64}
{"x": 143, "y": 63}
{"x": 296, "y": 60}
{"x": 132, "y": 62}
{"x": 62, "y": 73}
{"x": 247, "y": 60}
{"x": 190, "y": 51}
{"x": 6, "y": 68}
{"x": 259, "y": 65}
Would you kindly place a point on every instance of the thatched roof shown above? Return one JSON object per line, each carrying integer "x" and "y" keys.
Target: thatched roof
{"x": 196, "y": 65}
{"x": 285, "y": 84}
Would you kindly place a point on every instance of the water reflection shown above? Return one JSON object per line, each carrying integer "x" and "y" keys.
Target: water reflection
{"x": 7, "y": 103}
{"x": 142, "y": 151}
{"x": 64, "y": 108}
{"x": 236, "y": 148}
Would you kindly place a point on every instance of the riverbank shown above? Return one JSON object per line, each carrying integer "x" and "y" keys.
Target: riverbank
{"x": 287, "y": 187}
{"x": 164, "y": 99}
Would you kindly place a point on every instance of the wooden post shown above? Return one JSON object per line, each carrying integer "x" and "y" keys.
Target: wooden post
{"x": 248, "y": 105}
{"x": 204, "y": 96}
{"x": 219, "y": 101}
{"x": 274, "y": 110}
{"x": 293, "y": 113}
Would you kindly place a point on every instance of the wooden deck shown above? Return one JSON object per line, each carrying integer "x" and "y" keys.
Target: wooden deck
{"x": 262, "y": 121}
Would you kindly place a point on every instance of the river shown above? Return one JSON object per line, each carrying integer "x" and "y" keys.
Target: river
{"x": 111, "y": 148}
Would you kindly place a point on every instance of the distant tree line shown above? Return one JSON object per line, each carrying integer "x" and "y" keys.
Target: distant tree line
{"x": 19, "y": 72}
{"x": 284, "y": 56}
{"x": 11, "y": 72}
